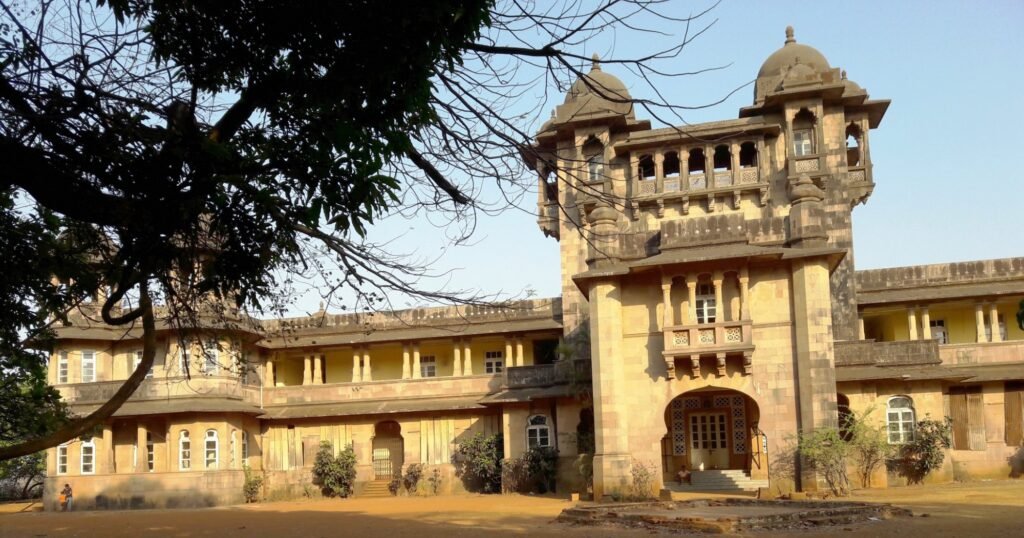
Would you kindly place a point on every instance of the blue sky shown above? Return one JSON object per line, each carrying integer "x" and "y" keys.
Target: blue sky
{"x": 948, "y": 180}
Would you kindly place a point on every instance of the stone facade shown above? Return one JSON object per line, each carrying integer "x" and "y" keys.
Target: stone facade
{"x": 710, "y": 312}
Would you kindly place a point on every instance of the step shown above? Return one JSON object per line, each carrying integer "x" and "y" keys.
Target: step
{"x": 376, "y": 488}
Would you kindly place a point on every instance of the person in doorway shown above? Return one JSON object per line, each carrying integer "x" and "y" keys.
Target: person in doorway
{"x": 683, "y": 476}
{"x": 66, "y": 498}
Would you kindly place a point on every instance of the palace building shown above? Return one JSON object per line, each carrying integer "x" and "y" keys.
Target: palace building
{"x": 710, "y": 312}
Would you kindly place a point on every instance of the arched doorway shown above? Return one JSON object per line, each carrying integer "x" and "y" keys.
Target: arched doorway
{"x": 388, "y": 450}
{"x": 711, "y": 429}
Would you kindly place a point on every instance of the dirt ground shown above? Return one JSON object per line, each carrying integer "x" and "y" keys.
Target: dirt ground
{"x": 972, "y": 510}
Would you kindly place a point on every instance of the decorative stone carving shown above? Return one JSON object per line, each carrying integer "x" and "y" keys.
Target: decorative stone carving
{"x": 806, "y": 165}
{"x": 733, "y": 334}
{"x": 720, "y": 364}
{"x": 748, "y": 176}
{"x": 672, "y": 185}
{"x": 698, "y": 182}
{"x": 680, "y": 338}
{"x": 646, "y": 187}
{"x": 695, "y": 366}
{"x": 748, "y": 363}
{"x": 661, "y": 208}
{"x": 706, "y": 336}
{"x": 736, "y": 199}
{"x": 686, "y": 205}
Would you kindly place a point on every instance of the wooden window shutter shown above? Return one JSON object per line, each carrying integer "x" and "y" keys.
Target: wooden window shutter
{"x": 976, "y": 413}
{"x": 961, "y": 421}
{"x": 1014, "y": 412}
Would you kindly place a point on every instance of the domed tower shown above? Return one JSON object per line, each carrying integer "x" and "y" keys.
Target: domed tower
{"x": 580, "y": 178}
{"x": 825, "y": 119}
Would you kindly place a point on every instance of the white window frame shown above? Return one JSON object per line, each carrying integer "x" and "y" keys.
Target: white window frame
{"x": 207, "y": 439}
{"x": 63, "y": 370}
{"x": 802, "y": 146}
{"x": 150, "y": 453}
{"x": 595, "y": 167}
{"x": 494, "y": 362}
{"x": 90, "y": 466}
{"x": 91, "y": 363}
{"x": 138, "y": 361}
{"x": 538, "y": 432}
{"x": 211, "y": 357}
{"x": 706, "y": 308}
{"x": 428, "y": 366}
{"x": 901, "y": 421}
{"x": 233, "y": 446}
{"x": 938, "y": 329}
{"x": 62, "y": 459}
{"x": 184, "y": 451}
{"x": 245, "y": 447}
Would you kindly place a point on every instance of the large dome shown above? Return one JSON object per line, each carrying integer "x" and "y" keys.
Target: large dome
{"x": 599, "y": 84}
{"x": 789, "y": 54}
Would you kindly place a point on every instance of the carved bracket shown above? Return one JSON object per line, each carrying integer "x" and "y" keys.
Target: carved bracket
{"x": 720, "y": 364}
{"x": 748, "y": 363}
{"x": 695, "y": 366}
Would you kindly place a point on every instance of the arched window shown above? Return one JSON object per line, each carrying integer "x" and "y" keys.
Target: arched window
{"x": 853, "y": 144}
{"x": 748, "y": 155}
{"x": 803, "y": 133}
{"x": 695, "y": 162}
{"x": 210, "y": 449}
{"x": 538, "y": 434}
{"x": 593, "y": 152}
{"x": 845, "y": 417}
{"x": 671, "y": 164}
{"x": 723, "y": 158}
{"x": 89, "y": 457}
{"x": 184, "y": 451}
{"x": 645, "y": 169}
{"x": 899, "y": 418}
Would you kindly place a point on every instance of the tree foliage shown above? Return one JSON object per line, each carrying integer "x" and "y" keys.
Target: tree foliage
{"x": 478, "y": 462}
{"x": 925, "y": 454}
{"x": 828, "y": 453}
{"x": 336, "y": 475}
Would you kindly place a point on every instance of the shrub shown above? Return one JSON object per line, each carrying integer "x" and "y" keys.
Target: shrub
{"x": 411, "y": 479}
{"x": 335, "y": 474}
{"x": 434, "y": 480}
{"x": 643, "y": 480}
{"x": 918, "y": 458}
{"x": 585, "y": 467}
{"x": 252, "y": 486}
{"x": 395, "y": 485}
{"x": 536, "y": 470}
{"x": 827, "y": 451}
{"x": 868, "y": 444}
{"x": 478, "y": 462}
{"x": 514, "y": 475}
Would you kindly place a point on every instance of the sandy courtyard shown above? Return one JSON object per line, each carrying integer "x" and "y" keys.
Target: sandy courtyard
{"x": 972, "y": 510}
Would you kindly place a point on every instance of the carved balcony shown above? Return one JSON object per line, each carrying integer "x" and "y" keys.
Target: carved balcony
{"x": 719, "y": 339}
{"x": 542, "y": 375}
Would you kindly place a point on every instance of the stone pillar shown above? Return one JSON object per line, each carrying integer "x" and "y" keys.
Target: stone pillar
{"x": 268, "y": 374}
{"x": 734, "y": 162}
{"x": 357, "y": 370}
{"x": 612, "y": 461}
{"x": 912, "y": 322}
{"x": 456, "y": 358}
{"x": 416, "y": 360}
{"x": 367, "y": 369}
{"x": 979, "y": 322}
{"x": 406, "y": 374}
{"x": 666, "y": 300}
{"x": 926, "y": 324}
{"x": 744, "y": 280}
{"x": 659, "y": 171}
{"x": 509, "y": 358}
{"x": 717, "y": 279}
{"x": 993, "y": 321}
{"x": 860, "y": 327}
{"x": 318, "y": 370}
{"x": 307, "y": 372}
{"x": 519, "y": 351}
{"x": 709, "y": 172}
{"x": 691, "y": 290}
{"x": 104, "y": 456}
{"x": 140, "y": 453}
{"x": 467, "y": 355}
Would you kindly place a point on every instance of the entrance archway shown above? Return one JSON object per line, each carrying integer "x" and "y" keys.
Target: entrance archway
{"x": 388, "y": 450}
{"x": 711, "y": 429}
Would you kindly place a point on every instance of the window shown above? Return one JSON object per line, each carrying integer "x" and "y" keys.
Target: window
{"x": 722, "y": 158}
{"x": 853, "y": 155}
{"x": 89, "y": 457}
{"x": 88, "y": 366}
{"x": 184, "y": 451}
{"x": 210, "y": 450}
{"x": 138, "y": 361}
{"x": 1013, "y": 410}
{"x": 802, "y": 143}
{"x": 706, "y": 308}
{"x": 537, "y": 432}
{"x": 645, "y": 169}
{"x": 62, "y": 367}
{"x": 748, "y": 155}
{"x": 494, "y": 362}
{"x": 695, "y": 162}
{"x": 150, "y": 453}
{"x": 245, "y": 447}
{"x": 670, "y": 167}
{"x": 593, "y": 152}
{"x": 234, "y": 437}
{"x": 428, "y": 366}
{"x": 211, "y": 357}
{"x": 988, "y": 328}
{"x": 938, "y": 328}
{"x": 899, "y": 419}
{"x": 967, "y": 411}
{"x": 62, "y": 459}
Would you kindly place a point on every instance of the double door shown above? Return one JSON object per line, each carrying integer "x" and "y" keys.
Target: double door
{"x": 709, "y": 440}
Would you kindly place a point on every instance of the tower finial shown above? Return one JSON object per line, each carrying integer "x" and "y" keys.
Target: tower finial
{"x": 595, "y": 62}
{"x": 789, "y": 35}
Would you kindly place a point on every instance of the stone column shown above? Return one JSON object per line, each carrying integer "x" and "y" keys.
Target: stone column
{"x": 612, "y": 460}
{"x": 140, "y": 453}
{"x": 744, "y": 280}
{"x": 318, "y": 370}
{"x": 912, "y": 322}
{"x": 659, "y": 171}
{"x": 268, "y": 374}
{"x": 860, "y": 327}
{"x": 691, "y": 291}
{"x": 718, "y": 277}
{"x": 926, "y": 324}
{"x": 456, "y": 358}
{"x": 734, "y": 162}
{"x": 406, "y": 374}
{"x": 467, "y": 355}
{"x": 709, "y": 170}
{"x": 993, "y": 321}
{"x": 519, "y": 351}
{"x": 367, "y": 368}
{"x": 979, "y": 322}
{"x": 416, "y": 360}
{"x": 103, "y": 459}
{"x": 666, "y": 300}
{"x": 684, "y": 169}
{"x": 509, "y": 359}
{"x": 357, "y": 370}
{"x": 307, "y": 372}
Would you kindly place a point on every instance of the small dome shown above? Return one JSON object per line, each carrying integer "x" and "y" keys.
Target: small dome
{"x": 598, "y": 84}
{"x": 791, "y": 53}
{"x": 850, "y": 87}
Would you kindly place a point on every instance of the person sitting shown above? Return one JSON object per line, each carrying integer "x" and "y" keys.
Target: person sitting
{"x": 683, "y": 476}
{"x": 66, "y": 498}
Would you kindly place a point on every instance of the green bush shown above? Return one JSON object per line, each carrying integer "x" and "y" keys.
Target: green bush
{"x": 434, "y": 480}
{"x": 643, "y": 481}
{"x": 252, "y": 486}
{"x": 411, "y": 479}
{"x": 827, "y": 451}
{"x": 536, "y": 470}
{"x": 395, "y": 485}
{"x": 478, "y": 462}
{"x": 919, "y": 458}
{"x": 869, "y": 445}
{"x": 336, "y": 475}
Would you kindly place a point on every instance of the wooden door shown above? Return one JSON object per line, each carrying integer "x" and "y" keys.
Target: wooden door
{"x": 709, "y": 441}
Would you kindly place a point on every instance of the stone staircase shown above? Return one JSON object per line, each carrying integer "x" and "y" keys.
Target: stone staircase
{"x": 726, "y": 481}
{"x": 376, "y": 488}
